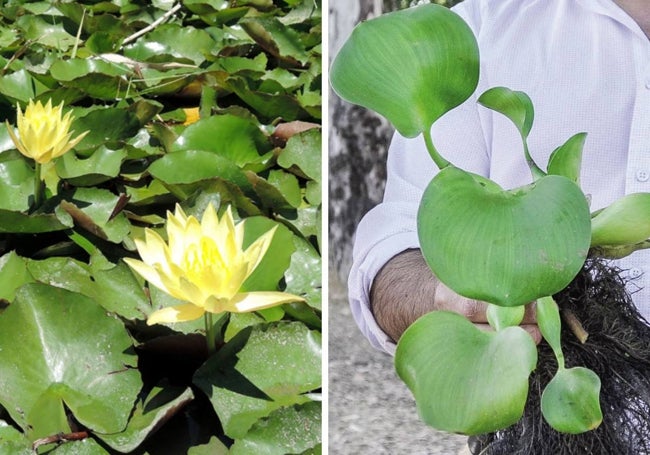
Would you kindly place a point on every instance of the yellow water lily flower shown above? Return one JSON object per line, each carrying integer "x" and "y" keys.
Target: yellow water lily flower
{"x": 205, "y": 265}
{"x": 43, "y": 132}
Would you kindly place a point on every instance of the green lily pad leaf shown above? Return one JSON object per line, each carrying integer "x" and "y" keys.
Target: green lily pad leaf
{"x": 182, "y": 43}
{"x": 570, "y": 402}
{"x": 97, "y": 78}
{"x": 276, "y": 38}
{"x": 107, "y": 127}
{"x": 101, "y": 166}
{"x": 566, "y": 160}
{"x": 271, "y": 269}
{"x": 235, "y": 138}
{"x": 624, "y": 222}
{"x": 268, "y": 105}
{"x": 490, "y": 367}
{"x": 86, "y": 446}
{"x": 192, "y": 166}
{"x": 16, "y": 185}
{"x": 261, "y": 369}
{"x": 17, "y": 86}
{"x": 411, "y": 89}
{"x": 13, "y": 441}
{"x": 280, "y": 192}
{"x": 304, "y": 275}
{"x": 213, "y": 447}
{"x": 293, "y": 429}
{"x": 65, "y": 349}
{"x": 303, "y": 151}
{"x": 37, "y": 29}
{"x": 21, "y": 223}
{"x": 91, "y": 209}
{"x": 504, "y": 247}
{"x": 13, "y": 274}
{"x": 149, "y": 414}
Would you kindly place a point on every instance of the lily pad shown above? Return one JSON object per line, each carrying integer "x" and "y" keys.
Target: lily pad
{"x": 52, "y": 363}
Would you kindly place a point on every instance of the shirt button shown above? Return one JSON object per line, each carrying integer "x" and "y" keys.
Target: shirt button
{"x": 635, "y": 272}
{"x": 647, "y": 83}
{"x": 642, "y": 175}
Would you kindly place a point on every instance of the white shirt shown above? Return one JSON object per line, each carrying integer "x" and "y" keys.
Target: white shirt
{"x": 586, "y": 66}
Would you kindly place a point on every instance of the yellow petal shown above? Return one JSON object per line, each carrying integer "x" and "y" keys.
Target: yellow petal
{"x": 147, "y": 272}
{"x": 253, "y": 301}
{"x": 256, "y": 251}
{"x": 178, "y": 313}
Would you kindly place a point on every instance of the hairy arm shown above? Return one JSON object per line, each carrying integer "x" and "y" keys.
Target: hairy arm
{"x": 405, "y": 289}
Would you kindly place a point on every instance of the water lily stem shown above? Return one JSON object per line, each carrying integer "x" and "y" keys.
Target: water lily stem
{"x": 209, "y": 333}
{"x": 39, "y": 187}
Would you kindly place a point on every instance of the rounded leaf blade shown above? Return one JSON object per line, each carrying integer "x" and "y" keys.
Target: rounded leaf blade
{"x": 504, "y": 247}
{"x": 411, "y": 66}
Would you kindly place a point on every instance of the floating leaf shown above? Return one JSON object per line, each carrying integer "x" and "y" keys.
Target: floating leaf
{"x": 303, "y": 151}
{"x": 293, "y": 429}
{"x": 260, "y": 370}
{"x": 13, "y": 274}
{"x": 101, "y": 166}
{"x": 52, "y": 362}
{"x": 21, "y": 223}
{"x": 490, "y": 367}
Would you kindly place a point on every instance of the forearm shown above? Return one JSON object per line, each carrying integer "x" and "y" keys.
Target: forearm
{"x": 403, "y": 290}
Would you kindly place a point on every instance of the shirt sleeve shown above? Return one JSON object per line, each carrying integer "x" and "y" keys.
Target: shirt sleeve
{"x": 390, "y": 227}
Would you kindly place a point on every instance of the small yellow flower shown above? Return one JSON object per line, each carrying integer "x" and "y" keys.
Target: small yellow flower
{"x": 204, "y": 265}
{"x": 44, "y": 132}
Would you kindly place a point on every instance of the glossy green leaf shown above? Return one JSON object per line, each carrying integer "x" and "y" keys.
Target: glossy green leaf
{"x": 570, "y": 402}
{"x": 65, "y": 349}
{"x": 566, "y": 160}
{"x": 105, "y": 127}
{"x": 97, "y": 78}
{"x": 304, "y": 275}
{"x": 501, "y": 317}
{"x": 303, "y": 151}
{"x": 13, "y": 274}
{"x": 234, "y": 138}
{"x": 172, "y": 40}
{"x": 504, "y": 247}
{"x": 149, "y": 414}
{"x": 276, "y": 38}
{"x": 281, "y": 191}
{"x": 260, "y": 370}
{"x": 193, "y": 166}
{"x": 515, "y": 105}
{"x": 50, "y": 33}
{"x": 624, "y": 222}
{"x": 13, "y": 441}
{"x": 293, "y": 429}
{"x": 17, "y": 86}
{"x": 16, "y": 185}
{"x": 21, "y": 223}
{"x": 550, "y": 325}
{"x": 481, "y": 383}
{"x": 101, "y": 166}
{"x": 271, "y": 269}
{"x": 411, "y": 66}
{"x": 91, "y": 209}
{"x": 518, "y": 107}
{"x": 213, "y": 447}
{"x": 86, "y": 446}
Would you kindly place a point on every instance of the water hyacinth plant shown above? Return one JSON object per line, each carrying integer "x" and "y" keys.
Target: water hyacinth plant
{"x": 504, "y": 247}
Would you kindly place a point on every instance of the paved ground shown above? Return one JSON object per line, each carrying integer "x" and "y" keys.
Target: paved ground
{"x": 370, "y": 410}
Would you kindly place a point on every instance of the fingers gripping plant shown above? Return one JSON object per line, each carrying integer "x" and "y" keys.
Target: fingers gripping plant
{"x": 505, "y": 247}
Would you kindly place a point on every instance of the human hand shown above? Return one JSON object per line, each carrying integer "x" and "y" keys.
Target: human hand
{"x": 475, "y": 311}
